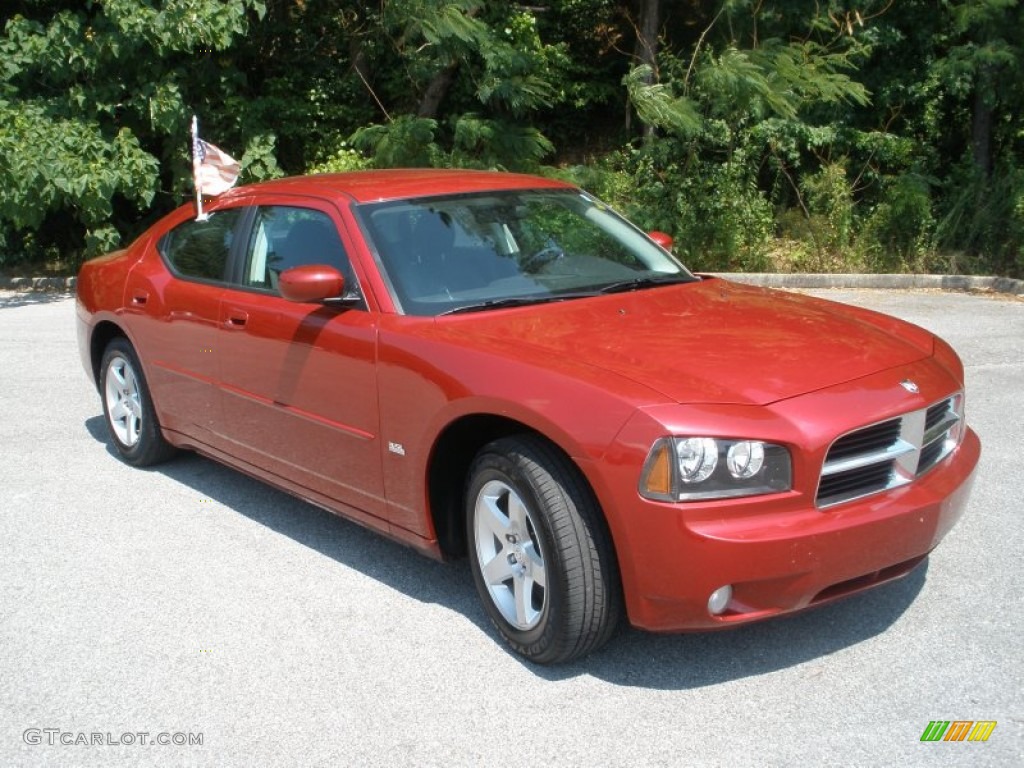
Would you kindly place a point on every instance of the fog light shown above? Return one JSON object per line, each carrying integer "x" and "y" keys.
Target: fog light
{"x": 719, "y": 599}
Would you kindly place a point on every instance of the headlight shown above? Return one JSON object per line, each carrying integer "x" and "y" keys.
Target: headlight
{"x": 698, "y": 457}
{"x": 692, "y": 468}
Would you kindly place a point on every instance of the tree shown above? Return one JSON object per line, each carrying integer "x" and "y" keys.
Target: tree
{"x": 950, "y": 78}
{"x": 864, "y": 135}
{"x": 483, "y": 62}
{"x": 734, "y": 100}
{"x": 95, "y": 104}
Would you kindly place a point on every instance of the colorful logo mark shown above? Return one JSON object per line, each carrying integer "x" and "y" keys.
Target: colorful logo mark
{"x": 958, "y": 730}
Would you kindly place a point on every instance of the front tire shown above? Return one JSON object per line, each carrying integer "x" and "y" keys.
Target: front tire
{"x": 128, "y": 408}
{"x": 540, "y": 551}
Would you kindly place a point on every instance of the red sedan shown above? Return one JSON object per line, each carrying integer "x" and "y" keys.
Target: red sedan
{"x": 501, "y": 366}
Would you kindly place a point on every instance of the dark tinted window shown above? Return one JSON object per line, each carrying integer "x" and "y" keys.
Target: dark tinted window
{"x": 200, "y": 248}
{"x": 285, "y": 237}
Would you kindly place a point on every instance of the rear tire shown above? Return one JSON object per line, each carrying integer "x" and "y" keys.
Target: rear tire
{"x": 128, "y": 408}
{"x": 540, "y": 551}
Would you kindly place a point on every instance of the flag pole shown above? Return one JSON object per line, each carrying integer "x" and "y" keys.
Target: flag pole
{"x": 196, "y": 163}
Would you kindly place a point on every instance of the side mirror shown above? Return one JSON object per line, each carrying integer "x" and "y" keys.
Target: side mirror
{"x": 311, "y": 282}
{"x": 662, "y": 239}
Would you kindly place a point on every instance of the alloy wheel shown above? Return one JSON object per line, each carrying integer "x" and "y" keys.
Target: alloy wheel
{"x": 124, "y": 403}
{"x": 511, "y": 561}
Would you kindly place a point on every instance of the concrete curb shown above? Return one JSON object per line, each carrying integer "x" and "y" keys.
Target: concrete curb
{"x": 38, "y": 284}
{"x": 766, "y": 279}
{"x": 898, "y": 282}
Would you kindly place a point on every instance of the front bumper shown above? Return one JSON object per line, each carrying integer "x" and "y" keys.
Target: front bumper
{"x": 782, "y": 554}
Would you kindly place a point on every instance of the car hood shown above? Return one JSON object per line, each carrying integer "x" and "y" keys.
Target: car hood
{"x": 707, "y": 342}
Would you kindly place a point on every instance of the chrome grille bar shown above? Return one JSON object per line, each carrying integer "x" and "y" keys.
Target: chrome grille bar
{"x": 888, "y": 454}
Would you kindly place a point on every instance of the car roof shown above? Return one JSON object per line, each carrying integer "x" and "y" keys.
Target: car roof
{"x": 398, "y": 184}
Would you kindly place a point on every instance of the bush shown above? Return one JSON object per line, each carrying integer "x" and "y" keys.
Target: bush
{"x": 982, "y": 222}
{"x": 713, "y": 209}
{"x": 897, "y": 235}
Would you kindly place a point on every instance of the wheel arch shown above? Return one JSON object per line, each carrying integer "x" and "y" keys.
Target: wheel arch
{"x": 448, "y": 468}
{"x": 104, "y": 332}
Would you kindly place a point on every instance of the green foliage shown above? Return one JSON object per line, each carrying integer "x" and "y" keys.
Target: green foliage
{"x": 345, "y": 158}
{"x": 733, "y": 115}
{"x": 498, "y": 144}
{"x": 71, "y": 164}
{"x": 983, "y": 219}
{"x": 477, "y": 142}
{"x": 656, "y": 106}
{"x": 951, "y": 78}
{"x": 259, "y": 162}
{"x": 775, "y": 78}
{"x": 91, "y": 102}
{"x": 406, "y": 142}
{"x": 829, "y": 202}
{"x": 897, "y": 233}
{"x": 450, "y": 22}
{"x": 713, "y": 209}
{"x": 816, "y": 136}
{"x": 724, "y": 220}
{"x": 70, "y": 167}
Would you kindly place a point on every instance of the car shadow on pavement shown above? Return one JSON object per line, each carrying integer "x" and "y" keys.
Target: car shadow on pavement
{"x": 633, "y": 658}
{"x": 674, "y": 662}
{"x": 369, "y": 552}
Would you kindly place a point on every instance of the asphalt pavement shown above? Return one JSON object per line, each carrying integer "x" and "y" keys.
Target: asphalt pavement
{"x": 189, "y": 603}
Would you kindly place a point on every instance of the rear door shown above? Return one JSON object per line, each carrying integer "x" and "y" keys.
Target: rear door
{"x": 299, "y": 379}
{"x": 176, "y": 303}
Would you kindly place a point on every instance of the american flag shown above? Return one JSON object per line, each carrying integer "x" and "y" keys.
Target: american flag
{"x": 215, "y": 171}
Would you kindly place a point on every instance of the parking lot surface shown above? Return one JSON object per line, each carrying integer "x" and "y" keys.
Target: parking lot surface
{"x": 190, "y": 603}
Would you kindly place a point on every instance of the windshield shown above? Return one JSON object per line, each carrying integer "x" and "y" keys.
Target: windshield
{"x": 485, "y": 250}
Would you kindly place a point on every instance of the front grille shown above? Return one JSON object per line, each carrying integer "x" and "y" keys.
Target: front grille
{"x": 934, "y": 415}
{"x": 865, "y": 440}
{"x": 941, "y": 432}
{"x": 890, "y": 453}
{"x": 855, "y": 482}
{"x": 930, "y": 454}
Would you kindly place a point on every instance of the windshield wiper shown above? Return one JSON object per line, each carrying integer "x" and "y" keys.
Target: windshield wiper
{"x": 645, "y": 282}
{"x": 514, "y": 301}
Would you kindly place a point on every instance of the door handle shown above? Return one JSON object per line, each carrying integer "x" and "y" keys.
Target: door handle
{"x": 139, "y": 298}
{"x": 237, "y": 319}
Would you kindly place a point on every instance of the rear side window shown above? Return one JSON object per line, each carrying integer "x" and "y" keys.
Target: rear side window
{"x": 200, "y": 249}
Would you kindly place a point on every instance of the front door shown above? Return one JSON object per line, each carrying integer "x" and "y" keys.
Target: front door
{"x": 299, "y": 379}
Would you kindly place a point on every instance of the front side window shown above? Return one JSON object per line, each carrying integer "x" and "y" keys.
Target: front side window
{"x": 200, "y": 249}
{"x": 469, "y": 252}
{"x": 287, "y": 236}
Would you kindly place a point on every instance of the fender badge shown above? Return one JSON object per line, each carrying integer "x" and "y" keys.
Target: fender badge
{"x": 910, "y": 386}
